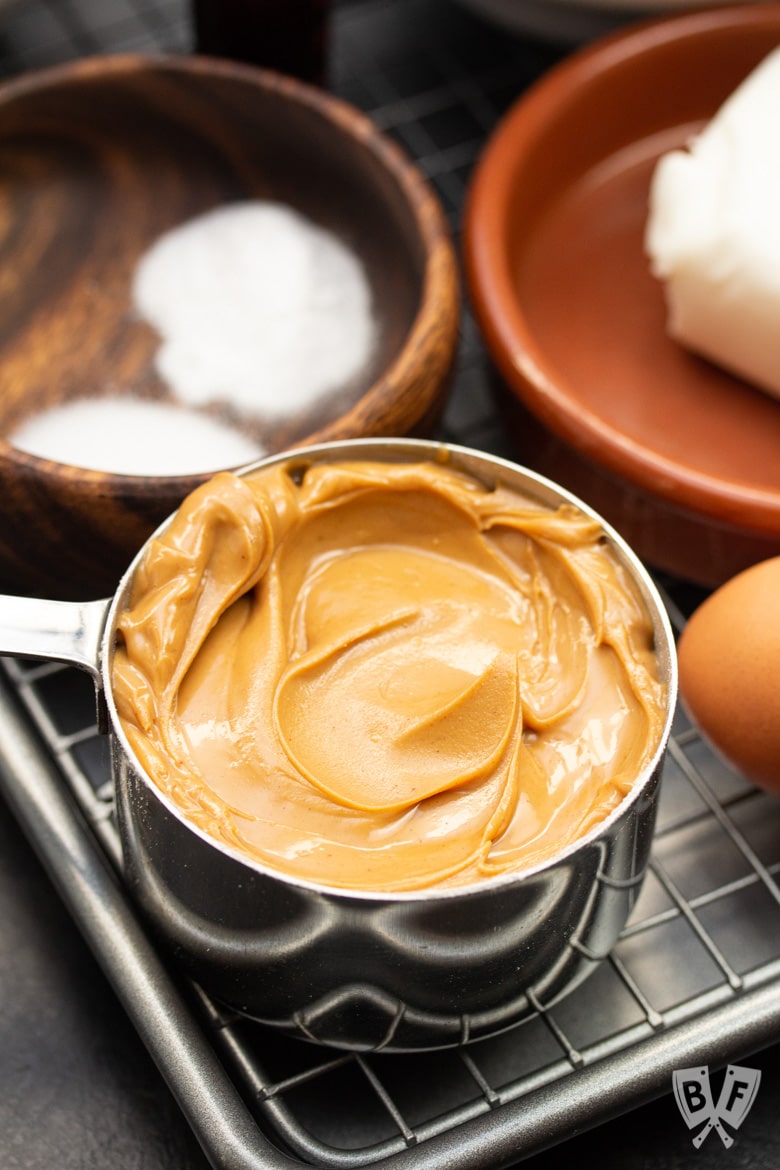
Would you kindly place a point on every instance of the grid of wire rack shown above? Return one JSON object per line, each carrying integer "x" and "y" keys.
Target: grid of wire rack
{"x": 695, "y": 976}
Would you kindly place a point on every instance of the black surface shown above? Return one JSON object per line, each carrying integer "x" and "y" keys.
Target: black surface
{"x": 77, "y": 1087}
{"x": 79, "y": 1092}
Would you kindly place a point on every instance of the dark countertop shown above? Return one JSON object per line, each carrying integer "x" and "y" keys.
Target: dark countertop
{"x": 77, "y": 1086}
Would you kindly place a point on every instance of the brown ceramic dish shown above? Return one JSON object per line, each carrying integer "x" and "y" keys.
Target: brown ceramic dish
{"x": 679, "y": 456}
{"x": 98, "y": 159}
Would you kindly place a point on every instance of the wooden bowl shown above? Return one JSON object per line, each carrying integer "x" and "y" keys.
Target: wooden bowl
{"x": 102, "y": 156}
{"x": 678, "y": 455}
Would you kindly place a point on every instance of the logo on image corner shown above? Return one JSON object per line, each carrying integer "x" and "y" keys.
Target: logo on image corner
{"x": 693, "y": 1094}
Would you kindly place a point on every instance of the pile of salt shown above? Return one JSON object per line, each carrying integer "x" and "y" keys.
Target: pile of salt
{"x": 128, "y": 436}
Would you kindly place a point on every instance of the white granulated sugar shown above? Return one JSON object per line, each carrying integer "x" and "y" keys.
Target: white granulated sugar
{"x": 256, "y": 306}
{"x": 130, "y": 436}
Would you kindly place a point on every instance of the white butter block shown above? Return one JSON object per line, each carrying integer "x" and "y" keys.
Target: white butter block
{"x": 713, "y": 233}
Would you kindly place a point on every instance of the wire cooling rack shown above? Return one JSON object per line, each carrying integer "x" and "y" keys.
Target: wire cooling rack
{"x": 695, "y": 977}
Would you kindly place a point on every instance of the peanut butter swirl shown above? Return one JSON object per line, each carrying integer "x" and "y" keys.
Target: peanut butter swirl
{"x": 386, "y": 676}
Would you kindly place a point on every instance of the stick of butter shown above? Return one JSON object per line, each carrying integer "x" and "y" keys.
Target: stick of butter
{"x": 713, "y": 233}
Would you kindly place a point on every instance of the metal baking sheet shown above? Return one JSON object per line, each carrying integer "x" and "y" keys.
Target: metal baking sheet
{"x": 695, "y": 977}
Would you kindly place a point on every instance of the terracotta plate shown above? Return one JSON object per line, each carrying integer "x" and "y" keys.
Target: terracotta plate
{"x": 684, "y": 458}
{"x": 98, "y": 158}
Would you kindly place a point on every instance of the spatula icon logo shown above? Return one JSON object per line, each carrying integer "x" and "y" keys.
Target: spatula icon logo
{"x": 693, "y": 1094}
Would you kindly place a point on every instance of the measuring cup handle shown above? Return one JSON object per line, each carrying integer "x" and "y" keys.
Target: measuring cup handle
{"x": 62, "y": 631}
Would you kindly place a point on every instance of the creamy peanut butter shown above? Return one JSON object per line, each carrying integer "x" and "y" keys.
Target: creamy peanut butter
{"x": 386, "y": 676}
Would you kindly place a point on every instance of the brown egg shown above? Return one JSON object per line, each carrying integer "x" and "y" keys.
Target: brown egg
{"x": 729, "y": 664}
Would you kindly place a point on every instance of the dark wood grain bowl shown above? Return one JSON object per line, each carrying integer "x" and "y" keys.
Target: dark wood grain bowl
{"x": 679, "y": 455}
{"x": 97, "y": 159}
